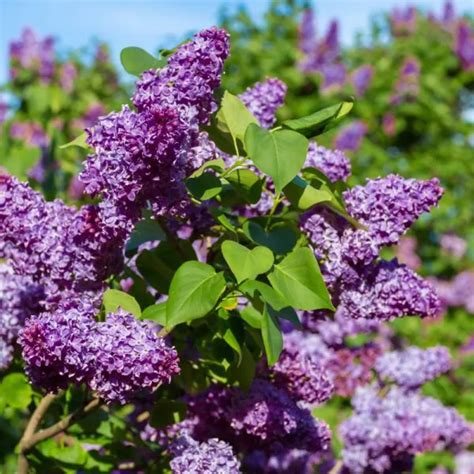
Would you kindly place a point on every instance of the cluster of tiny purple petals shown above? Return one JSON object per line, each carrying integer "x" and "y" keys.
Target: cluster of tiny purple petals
{"x": 118, "y": 358}
{"x": 263, "y": 99}
{"x": 60, "y": 247}
{"x": 412, "y": 367}
{"x": 388, "y": 290}
{"x": 350, "y": 137}
{"x": 333, "y": 163}
{"x": 31, "y": 53}
{"x": 378, "y": 206}
{"x": 210, "y": 457}
{"x": 407, "y": 85}
{"x": 457, "y": 292}
{"x": 130, "y": 358}
{"x": 464, "y": 44}
{"x": 302, "y": 376}
{"x": 54, "y": 346}
{"x": 386, "y": 432}
{"x": 403, "y": 21}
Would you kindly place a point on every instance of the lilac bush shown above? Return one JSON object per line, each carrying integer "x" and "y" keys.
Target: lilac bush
{"x": 221, "y": 283}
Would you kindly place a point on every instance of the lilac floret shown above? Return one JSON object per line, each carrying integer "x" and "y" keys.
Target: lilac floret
{"x": 413, "y": 366}
{"x": 264, "y": 98}
{"x": 333, "y": 163}
{"x": 211, "y": 457}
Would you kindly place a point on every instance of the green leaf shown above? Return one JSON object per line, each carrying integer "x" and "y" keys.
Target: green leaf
{"x": 279, "y": 239}
{"x": 136, "y": 60}
{"x": 304, "y": 196}
{"x": 159, "y": 265}
{"x": 167, "y": 412}
{"x": 79, "y": 141}
{"x": 245, "y": 263}
{"x": 234, "y": 335}
{"x": 205, "y": 186}
{"x": 114, "y": 299}
{"x": 156, "y": 312}
{"x": 233, "y": 117}
{"x": 271, "y": 335}
{"x": 273, "y": 298}
{"x": 194, "y": 291}
{"x": 21, "y": 160}
{"x": 246, "y": 184}
{"x": 245, "y": 372}
{"x": 298, "y": 279}
{"x": 216, "y": 165}
{"x": 252, "y": 317}
{"x": 321, "y": 121}
{"x": 280, "y": 154}
{"x": 16, "y": 391}
{"x": 146, "y": 230}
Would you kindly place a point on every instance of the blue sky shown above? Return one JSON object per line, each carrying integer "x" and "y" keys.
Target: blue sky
{"x": 152, "y": 23}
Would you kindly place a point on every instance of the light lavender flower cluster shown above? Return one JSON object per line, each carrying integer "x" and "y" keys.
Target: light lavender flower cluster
{"x": 412, "y": 367}
{"x": 388, "y": 430}
{"x": 333, "y": 163}
{"x": 33, "y": 54}
{"x": 212, "y": 456}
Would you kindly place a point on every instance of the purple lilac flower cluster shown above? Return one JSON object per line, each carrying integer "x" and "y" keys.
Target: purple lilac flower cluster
{"x": 265, "y": 424}
{"x": 457, "y": 292}
{"x": 207, "y": 457}
{"x": 412, "y": 367}
{"x": 361, "y": 79}
{"x": 322, "y": 55}
{"x": 350, "y": 137}
{"x": 333, "y": 163}
{"x": 19, "y": 298}
{"x": 118, "y": 358}
{"x": 403, "y": 21}
{"x": 388, "y": 430}
{"x": 263, "y": 99}
{"x": 408, "y": 83}
{"x": 33, "y": 54}
{"x": 142, "y": 157}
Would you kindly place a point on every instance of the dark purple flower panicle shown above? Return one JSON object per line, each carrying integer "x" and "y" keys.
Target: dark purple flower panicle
{"x": 350, "y": 137}
{"x": 307, "y": 31}
{"x": 143, "y": 157}
{"x": 412, "y": 367}
{"x": 59, "y": 247}
{"x": 210, "y": 457}
{"x": 361, "y": 79}
{"x": 263, "y": 99}
{"x": 386, "y": 432}
{"x": 304, "y": 377}
{"x": 388, "y": 290}
{"x": 334, "y": 77}
{"x": 464, "y": 44}
{"x": 333, "y": 163}
{"x": 118, "y": 358}
{"x": 378, "y": 206}
{"x": 403, "y": 21}
{"x": 55, "y": 346}
{"x": 130, "y": 358}
{"x": 408, "y": 83}
{"x": 33, "y": 54}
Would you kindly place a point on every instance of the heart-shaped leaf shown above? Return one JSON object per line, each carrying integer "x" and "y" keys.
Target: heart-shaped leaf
{"x": 205, "y": 186}
{"x": 245, "y": 263}
{"x": 271, "y": 335}
{"x": 280, "y": 154}
{"x": 298, "y": 279}
{"x": 304, "y": 196}
{"x": 194, "y": 291}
